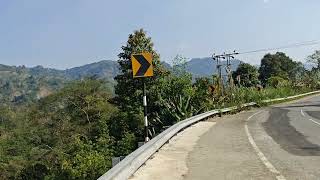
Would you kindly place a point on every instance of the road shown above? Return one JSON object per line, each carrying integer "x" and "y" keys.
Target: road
{"x": 278, "y": 142}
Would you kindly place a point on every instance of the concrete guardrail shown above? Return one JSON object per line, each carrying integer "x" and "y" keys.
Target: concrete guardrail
{"x": 129, "y": 165}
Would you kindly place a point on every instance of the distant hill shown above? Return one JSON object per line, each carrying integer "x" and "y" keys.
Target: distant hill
{"x": 106, "y": 69}
{"x": 199, "y": 67}
{"x": 21, "y": 84}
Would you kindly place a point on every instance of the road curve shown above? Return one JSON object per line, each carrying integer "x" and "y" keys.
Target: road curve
{"x": 278, "y": 142}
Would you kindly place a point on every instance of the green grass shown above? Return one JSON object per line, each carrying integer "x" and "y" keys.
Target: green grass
{"x": 245, "y": 95}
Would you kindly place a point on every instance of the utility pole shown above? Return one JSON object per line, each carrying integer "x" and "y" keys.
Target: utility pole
{"x": 228, "y": 57}
{"x": 217, "y": 58}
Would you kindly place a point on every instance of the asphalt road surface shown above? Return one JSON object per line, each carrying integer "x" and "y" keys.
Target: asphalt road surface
{"x": 278, "y": 142}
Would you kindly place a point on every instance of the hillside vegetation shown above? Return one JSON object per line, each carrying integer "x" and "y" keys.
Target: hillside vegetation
{"x": 21, "y": 84}
{"x": 72, "y": 127}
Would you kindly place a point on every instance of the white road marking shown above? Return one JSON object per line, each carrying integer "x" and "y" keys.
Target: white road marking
{"x": 302, "y": 113}
{"x": 310, "y": 119}
{"x": 315, "y": 121}
{"x": 262, "y": 157}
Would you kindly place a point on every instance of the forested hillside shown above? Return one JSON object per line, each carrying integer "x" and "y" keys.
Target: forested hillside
{"x": 102, "y": 70}
{"x": 69, "y": 124}
{"x": 200, "y": 67}
{"x": 21, "y": 84}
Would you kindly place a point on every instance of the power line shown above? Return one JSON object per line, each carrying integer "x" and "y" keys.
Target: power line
{"x": 305, "y": 43}
{"x": 231, "y": 56}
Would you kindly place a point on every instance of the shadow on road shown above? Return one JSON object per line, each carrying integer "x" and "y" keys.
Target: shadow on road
{"x": 279, "y": 128}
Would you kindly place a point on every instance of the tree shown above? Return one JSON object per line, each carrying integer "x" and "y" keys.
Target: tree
{"x": 248, "y": 75}
{"x": 78, "y": 115}
{"x": 297, "y": 74}
{"x": 63, "y": 136}
{"x": 179, "y": 65}
{"x": 311, "y": 79}
{"x": 202, "y": 96}
{"x": 36, "y": 172}
{"x": 128, "y": 89}
{"x": 315, "y": 59}
{"x": 276, "y": 81}
{"x": 175, "y": 94}
{"x": 278, "y": 65}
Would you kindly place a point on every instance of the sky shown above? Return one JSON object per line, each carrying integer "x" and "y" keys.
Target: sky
{"x": 67, "y": 33}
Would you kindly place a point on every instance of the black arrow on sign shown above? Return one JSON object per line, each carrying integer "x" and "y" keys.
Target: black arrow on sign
{"x": 144, "y": 65}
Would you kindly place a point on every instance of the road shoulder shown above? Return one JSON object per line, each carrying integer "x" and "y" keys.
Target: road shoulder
{"x": 169, "y": 163}
{"x": 224, "y": 152}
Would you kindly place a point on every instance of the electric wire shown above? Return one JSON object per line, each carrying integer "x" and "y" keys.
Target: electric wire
{"x": 295, "y": 45}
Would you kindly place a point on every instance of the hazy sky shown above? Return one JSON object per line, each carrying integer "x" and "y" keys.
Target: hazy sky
{"x": 67, "y": 33}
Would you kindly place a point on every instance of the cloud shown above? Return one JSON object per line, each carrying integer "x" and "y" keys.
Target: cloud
{"x": 266, "y": 1}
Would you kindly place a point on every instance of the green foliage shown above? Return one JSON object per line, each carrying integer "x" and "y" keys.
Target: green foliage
{"x": 19, "y": 85}
{"x": 22, "y": 85}
{"x": 75, "y": 129}
{"x": 179, "y": 65}
{"x": 276, "y": 81}
{"x": 86, "y": 158}
{"x": 36, "y": 172}
{"x": 311, "y": 79}
{"x": 178, "y": 108}
{"x": 175, "y": 92}
{"x": 127, "y": 144}
{"x": 248, "y": 75}
{"x": 129, "y": 90}
{"x": 202, "y": 98}
{"x": 64, "y": 136}
{"x": 315, "y": 59}
{"x": 279, "y": 65}
{"x": 245, "y": 95}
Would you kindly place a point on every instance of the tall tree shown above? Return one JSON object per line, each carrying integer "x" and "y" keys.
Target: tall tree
{"x": 278, "y": 64}
{"x": 128, "y": 89}
{"x": 248, "y": 75}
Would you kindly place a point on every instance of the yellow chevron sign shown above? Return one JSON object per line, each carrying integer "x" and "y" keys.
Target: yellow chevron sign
{"x": 142, "y": 65}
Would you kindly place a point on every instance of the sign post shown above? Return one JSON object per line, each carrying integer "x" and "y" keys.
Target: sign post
{"x": 142, "y": 67}
{"x": 145, "y": 108}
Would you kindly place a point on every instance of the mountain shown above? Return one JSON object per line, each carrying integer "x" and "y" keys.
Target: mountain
{"x": 103, "y": 69}
{"x": 20, "y": 84}
{"x": 166, "y": 65}
{"x": 199, "y": 67}
{"x": 23, "y": 84}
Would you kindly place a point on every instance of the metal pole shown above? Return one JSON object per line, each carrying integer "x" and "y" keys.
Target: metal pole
{"x": 145, "y": 111}
{"x": 228, "y": 70}
{"x": 228, "y": 57}
{"x": 220, "y": 77}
